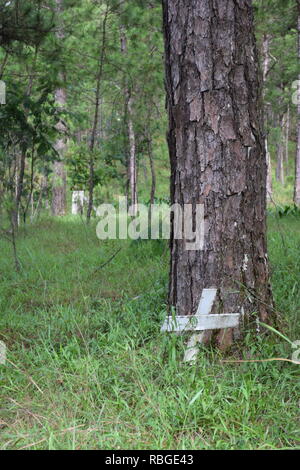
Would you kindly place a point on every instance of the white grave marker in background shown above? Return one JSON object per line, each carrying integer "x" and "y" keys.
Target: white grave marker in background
{"x": 77, "y": 202}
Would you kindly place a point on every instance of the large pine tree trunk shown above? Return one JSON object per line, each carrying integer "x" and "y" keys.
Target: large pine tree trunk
{"x": 297, "y": 180}
{"x": 217, "y": 155}
{"x": 59, "y": 185}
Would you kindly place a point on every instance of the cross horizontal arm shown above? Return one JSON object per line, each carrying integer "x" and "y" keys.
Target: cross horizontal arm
{"x": 201, "y": 322}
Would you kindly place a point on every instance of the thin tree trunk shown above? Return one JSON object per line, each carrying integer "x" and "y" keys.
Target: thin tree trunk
{"x": 280, "y": 153}
{"x": 297, "y": 165}
{"x": 280, "y": 167}
{"x": 132, "y": 161}
{"x": 127, "y": 158}
{"x": 269, "y": 172}
{"x": 217, "y": 156}
{"x": 131, "y": 136}
{"x": 45, "y": 190}
{"x": 287, "y": 138}
{"x": 24, "y": 149}
{"x": 19, "y": 188}
{"x": 2, "y": 66}
{"x": 59, "y": 187}
{"x": 266, "y": 68}
{"x": 96, "y": 117}
{"x": 14, "y": 246}
{"x": 152, "y": 168}
{"x": 153, "y": 176}
{"x": 30, "y": 197}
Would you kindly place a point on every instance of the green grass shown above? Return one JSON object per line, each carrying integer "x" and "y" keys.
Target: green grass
{"x": 89, "y": 369}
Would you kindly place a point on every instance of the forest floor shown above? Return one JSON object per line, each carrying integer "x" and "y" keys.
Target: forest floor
{"x": 87, "y": 366}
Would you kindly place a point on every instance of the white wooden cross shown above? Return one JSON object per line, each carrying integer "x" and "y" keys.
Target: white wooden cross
{"x": 202, "y": 321}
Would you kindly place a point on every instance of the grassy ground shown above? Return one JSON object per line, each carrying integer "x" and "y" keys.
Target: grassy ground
{"x": 89, "y": 369}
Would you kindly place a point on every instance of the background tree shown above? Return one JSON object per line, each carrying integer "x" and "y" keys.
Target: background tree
{"x": 276, "y": 29}
{"x": 59, "y": 184}
{"x": 297, "y": 165}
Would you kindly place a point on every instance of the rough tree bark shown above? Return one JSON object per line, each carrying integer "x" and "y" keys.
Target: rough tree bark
{"x": 59, "y": 186}
{"x": 297, "y": 179}
{"x": 217, "y": 156}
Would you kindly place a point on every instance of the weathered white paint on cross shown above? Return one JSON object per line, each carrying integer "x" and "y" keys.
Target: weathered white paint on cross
{"x": 202, "y": 321}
